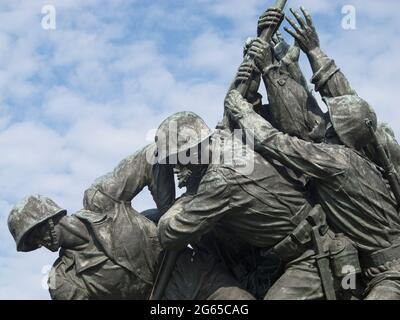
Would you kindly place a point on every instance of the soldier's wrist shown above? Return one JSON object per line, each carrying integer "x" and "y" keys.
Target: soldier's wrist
{"x": 317, "y": 58}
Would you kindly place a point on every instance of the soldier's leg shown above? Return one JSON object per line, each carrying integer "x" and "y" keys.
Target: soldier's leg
{"x": 199, "y": 276}
{"x": 230, "y": 293}
{"x": 152, "y": 214}
{"x": 385, "y": 290}
{"x": 300, "y": 281}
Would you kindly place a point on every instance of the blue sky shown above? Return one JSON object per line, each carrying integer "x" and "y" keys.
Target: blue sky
{"x": 76, "y": 100}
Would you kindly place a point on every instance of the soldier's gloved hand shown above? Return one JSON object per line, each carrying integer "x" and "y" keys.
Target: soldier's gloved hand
{"x": 304, "y": 32}
{"x": 236, "y": 106}
{"x": 283, "y": 51}
{"x": 248, "y": 71}
{"x": 261, "y": 53}
{"x": 271, "y": 18}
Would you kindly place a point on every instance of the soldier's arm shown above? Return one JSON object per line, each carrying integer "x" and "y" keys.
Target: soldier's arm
{"x": 328, "y": 79}
{"x": 318, "y": 161}
{"x": 292, "y": 108}
{"x": 128, "y": 179}
{"x": 387, "y": 137}
{"x": 162, "y": 187}
{"x": 192, "y": 216}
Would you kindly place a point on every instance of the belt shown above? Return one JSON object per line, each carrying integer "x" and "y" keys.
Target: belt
{"x": 380, "y": 257}
{"x": 299, "y": 240}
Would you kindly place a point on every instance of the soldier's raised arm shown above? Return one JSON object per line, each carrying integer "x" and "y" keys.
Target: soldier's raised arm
{"x": 129, "y": 178}
{"x": 328, "y": 79}
{"x": 318, "y": 161}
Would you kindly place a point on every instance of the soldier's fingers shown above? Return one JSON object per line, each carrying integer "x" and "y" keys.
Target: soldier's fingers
{"x": 242, "y": 78}
{"x": 259, "y": 49}
{"x": 243, "y": 73}
{"x": 246, "y": 64}
{"x": 300, "y": 20}
{"x": 307, "y": 16}
{"x": 294, "y": 25}
{"x": 260, "y": 44}
{"x": 271, "y": 15}
{"x": 256, "y": 54}
{"x": 255, "y": 50}
{"x": 269, "y": 21}
{"x": 292, "y": 33}
{"x": 273, "y": 9}
{"x": 245, "y": 70}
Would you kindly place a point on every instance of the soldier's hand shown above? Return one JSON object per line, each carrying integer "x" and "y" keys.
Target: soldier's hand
{"x": 271, "y": 18}
{"x": 261, "y": 52}
{"x": 245, "y": 72}
{"x": 236, "y": 105}
{"x": 248, "y": 73}
{"x": 304, "y": 32}
{"x": 283, "y": 51}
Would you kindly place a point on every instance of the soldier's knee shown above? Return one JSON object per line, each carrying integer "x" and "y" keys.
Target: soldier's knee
{"x": 230, "y": 293}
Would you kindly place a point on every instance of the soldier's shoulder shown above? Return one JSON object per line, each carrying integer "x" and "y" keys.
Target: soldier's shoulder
{"x": 90, "y": 216}
{"x": 213, "y": 178}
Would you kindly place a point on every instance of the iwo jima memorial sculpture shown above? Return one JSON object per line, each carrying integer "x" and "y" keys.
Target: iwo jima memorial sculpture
{"x": 282, "y": 201}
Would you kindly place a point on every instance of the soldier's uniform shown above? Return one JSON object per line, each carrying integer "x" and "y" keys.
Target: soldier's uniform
{"x": 331, "y": 83}
{"x": 293, "y": 109}
{"x": 191, "y": 278}
{"x": 134, "y": 173}
{"x": 120, "y": 262}
{"x": 349, "y": 187}
{"x": 265, "y": 206}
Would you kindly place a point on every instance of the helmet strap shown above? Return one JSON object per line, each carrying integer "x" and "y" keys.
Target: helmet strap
{"x": 55, "y": 244}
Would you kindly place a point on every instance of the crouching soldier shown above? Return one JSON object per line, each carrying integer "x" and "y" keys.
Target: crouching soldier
{"x": 109, "y": 256}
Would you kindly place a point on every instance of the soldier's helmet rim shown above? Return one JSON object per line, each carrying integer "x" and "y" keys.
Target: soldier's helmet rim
{"x": 185, "y": 130}
{"x": 22, "y": 219}
{"x": 348, "y": 114}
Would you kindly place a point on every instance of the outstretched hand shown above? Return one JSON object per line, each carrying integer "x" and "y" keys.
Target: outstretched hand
{"x": 304, "y": 32}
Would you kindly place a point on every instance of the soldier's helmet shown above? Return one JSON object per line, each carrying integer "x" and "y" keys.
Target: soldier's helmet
{"x": 348, "y": 114}
{"x": 28, "y": 214}
{"x": 179, "y": 133}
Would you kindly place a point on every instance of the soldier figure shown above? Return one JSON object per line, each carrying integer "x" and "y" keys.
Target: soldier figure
{"x": 265, "y": 206}
{"x": 115, "y": 191}
{"x": 111, "y": 256}
{"x": 348, "y": 185}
